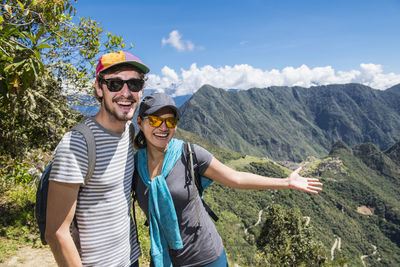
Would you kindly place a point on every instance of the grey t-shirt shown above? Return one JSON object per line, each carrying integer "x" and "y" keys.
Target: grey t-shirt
{"x": 107, "y": 232}
{"x": 207, "y": 247}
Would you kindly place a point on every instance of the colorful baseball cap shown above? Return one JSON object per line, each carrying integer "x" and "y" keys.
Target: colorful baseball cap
{"x": 120, "y": 57}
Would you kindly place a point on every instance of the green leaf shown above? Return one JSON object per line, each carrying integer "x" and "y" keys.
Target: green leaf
{"x": 28, "y": 35}
{"x": 39, "y": 34}
{"x": 43, "y": 46}
{"x": 35, "y": 68}
{"x": 1, "y": 19}
{"x": 21, "y": 6}
{"x": 37, "y": 54}
{"x": 14, "y": 65}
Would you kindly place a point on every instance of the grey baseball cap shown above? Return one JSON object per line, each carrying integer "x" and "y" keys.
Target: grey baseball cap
{"x": 154, "y": 102}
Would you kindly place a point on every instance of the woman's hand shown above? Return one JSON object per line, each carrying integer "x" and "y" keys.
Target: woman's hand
{"x": 310, "y": 185}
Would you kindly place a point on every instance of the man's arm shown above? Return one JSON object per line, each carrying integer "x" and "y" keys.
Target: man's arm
{"x": 61, "y": 204}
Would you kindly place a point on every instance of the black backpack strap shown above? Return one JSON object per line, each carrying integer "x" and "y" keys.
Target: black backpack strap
{"x": 135, "y": 160}
{"x": 134, "y": 197}
{"x": 197, "y": 177}
{"x": 210, "y": 211}
{"x": 132, "y": 135}
{"x": 193, "y": 178}
{"x": 193, "y": 164}
{"x": 132, "y": 132}
{"x": 91, "y": 146}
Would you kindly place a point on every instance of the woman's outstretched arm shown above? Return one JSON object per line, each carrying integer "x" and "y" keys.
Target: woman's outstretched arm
{"x": 223, "y": 174}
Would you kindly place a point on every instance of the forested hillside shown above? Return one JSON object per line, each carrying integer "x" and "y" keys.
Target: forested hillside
{"x": 358, "y": 209}
{"x": 294, "y": 122}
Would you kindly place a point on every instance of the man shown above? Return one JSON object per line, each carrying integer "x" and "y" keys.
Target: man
{"x": 107, "y": 233}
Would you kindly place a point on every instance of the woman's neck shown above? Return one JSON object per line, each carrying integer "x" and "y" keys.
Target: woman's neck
{"x": 154, "y": 153}
{"x": 155, "y": 159}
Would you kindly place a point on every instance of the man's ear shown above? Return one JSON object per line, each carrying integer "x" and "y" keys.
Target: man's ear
{"x": 98, "y": 88}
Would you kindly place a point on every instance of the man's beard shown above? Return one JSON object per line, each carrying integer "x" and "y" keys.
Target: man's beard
{"x": 114, "y": 114}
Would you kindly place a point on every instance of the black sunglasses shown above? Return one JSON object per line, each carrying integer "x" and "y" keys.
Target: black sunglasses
{"x": 115, "y": 84}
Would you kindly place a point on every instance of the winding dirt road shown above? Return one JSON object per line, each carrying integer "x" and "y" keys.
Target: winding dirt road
{"x": 366, "y": 256}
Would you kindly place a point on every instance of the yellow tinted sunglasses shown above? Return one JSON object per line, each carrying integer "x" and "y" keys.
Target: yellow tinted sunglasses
{"x": 156, "y": 121}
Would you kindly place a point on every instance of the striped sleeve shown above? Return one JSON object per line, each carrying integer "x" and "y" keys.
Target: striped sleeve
{"x": 70, "y": 162}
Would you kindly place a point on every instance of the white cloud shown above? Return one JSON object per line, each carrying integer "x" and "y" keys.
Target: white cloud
{"x": 245, "y": 76}
{"x": 175, "y": 41}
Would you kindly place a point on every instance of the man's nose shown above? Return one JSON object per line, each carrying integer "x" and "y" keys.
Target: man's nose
{"x": 125, "y": 90}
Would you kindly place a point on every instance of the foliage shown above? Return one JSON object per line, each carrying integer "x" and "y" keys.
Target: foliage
{"x": 39, "y": 34}
{"x": 36, "y": 119}
{"x": 144, "y": 236}
{"x": 238, "y": 248}
{"x": 285, "y": 240}
{"x": 17, "y": 199}
{"x": 348, "y": 184}
{"x": 239, "y": 212}
{"x": 269, "y": 168}
{"x": 43, "y": 56}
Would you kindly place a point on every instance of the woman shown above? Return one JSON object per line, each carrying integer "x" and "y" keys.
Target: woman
{"x": 181, "y": 231}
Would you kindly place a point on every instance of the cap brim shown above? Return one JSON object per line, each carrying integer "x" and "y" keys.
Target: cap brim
{"x": 154, "y": 109}
{"x": 138, "y": 65}
{"x": 141, "y": 66}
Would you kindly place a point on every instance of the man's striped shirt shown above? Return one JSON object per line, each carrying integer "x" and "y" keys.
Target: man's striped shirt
{"x": 107, "y": 232}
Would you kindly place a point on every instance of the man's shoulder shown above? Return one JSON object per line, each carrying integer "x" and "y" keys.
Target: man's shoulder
{"x": 73, "y": 142}
{"x": 72, "y": 138}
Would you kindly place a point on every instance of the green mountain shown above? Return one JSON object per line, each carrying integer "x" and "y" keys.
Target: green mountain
{"x": 356, "y": 217}
{"x": 394, "y": 153}
{"x": 293, "y": 122}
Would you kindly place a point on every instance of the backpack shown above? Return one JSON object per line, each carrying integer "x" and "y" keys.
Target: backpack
{"x": 201, "y": 182}
{"x": 43, "y": 187}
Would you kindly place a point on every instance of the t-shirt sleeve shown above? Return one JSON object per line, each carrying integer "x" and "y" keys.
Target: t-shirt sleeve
{"x": 70, "y": 162}
{"x": 203, "y": 158}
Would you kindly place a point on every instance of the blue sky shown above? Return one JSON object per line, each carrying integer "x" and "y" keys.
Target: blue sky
{"x": 244, "y": 44}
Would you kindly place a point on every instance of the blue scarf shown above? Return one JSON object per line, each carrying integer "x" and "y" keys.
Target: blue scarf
{"x": 164, "y": 227}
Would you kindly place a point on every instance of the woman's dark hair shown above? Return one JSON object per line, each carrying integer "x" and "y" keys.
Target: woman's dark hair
{"x": 140, "y": 140}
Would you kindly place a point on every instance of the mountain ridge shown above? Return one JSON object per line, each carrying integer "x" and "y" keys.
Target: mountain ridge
{"x": 293, "y": 122}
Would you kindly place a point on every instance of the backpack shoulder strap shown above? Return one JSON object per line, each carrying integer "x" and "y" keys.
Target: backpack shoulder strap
{"x": 135, "y": 160}
{"x": 91, "y": 146}
{"x": 193, "y": 164}
{"x": 196, "y": 178}
{"x": 132, "y": 132}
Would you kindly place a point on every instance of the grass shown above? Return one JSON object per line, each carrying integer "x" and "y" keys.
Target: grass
{"x": 8, "y": 248}
{"x": 17, "y": 200}
{"x": 241, "y": 162}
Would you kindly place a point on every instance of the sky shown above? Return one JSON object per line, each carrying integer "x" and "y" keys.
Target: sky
{"x": 234, "y": 44}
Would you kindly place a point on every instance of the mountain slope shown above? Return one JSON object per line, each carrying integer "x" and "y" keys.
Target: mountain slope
{"x": 293, "y": 122}
{"x": 394, "y": 152}
{"x": 359, "y": 205}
